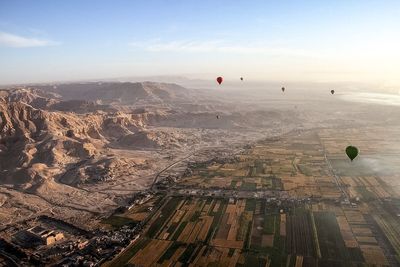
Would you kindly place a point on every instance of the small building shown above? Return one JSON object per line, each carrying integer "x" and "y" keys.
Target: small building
{"x": 52, "y": 237}
{"x": 82, "y": 245}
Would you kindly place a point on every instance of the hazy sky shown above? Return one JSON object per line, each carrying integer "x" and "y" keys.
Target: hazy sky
{"x": 261, "y": 40}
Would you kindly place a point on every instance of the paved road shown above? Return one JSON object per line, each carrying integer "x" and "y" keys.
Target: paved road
{"x": 337, "y": 179}
{"x": 170, "y": 166}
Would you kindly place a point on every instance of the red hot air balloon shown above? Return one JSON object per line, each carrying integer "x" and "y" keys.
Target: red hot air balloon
{"x": 219, "y": 79}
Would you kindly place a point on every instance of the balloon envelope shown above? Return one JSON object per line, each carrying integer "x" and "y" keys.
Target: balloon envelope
{"x": 283, "y": 89}
{"x": 332, "y": 92}
{"x": 219, "y": 79}
{"x": 351, "y": 152}
{"x": 241, "y": 78}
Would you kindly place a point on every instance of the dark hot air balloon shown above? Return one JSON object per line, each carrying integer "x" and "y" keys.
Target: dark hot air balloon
{"x": 351, "y": 152}
{"x": 332, "y": 92}
{"x": 217, "y": 116}
{"x": 241, "y": 78}
{"x": 283, "y": 89}
{"x": 219, "y": 79}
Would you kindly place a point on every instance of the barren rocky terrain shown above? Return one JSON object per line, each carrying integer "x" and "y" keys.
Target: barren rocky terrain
{"x": 78, "y": 151}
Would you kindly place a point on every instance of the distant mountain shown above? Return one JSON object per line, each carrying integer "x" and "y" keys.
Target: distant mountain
{"x": 126, "y": 93}
{"x": 80, "y": 106}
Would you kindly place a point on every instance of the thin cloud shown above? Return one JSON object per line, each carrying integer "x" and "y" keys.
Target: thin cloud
{"x": 220, "y": 47}
{"x": 12, "y": 40}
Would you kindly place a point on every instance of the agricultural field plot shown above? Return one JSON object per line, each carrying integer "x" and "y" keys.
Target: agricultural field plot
{"x": 299, "y": 168}
{"x": 248, "y": 175}
{"x": 207, "y": 230}
{"x": 371, "y": 140}
{"x": 389, "y": 226}
{"x": 250, "y": 232}
{"x": 313, "y": 224}
{"x": 368, "y": 188}
{"x": 132, "y": 216}
{"x": 300, "y": 238}
{"x": 115, "y": 221}
{"x": 331, "y": 245}
{"x": 374, "y": 173}
{"x": 368, "y": 165}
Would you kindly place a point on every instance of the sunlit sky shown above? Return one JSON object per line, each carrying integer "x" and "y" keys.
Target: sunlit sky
{"x": 308, "y": 41}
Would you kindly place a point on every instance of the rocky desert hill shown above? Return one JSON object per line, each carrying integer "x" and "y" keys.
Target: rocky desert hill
{"x": 51, "y": 127}
{"x": 58, "y": 140}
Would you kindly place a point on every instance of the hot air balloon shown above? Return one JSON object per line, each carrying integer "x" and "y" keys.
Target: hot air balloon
{"x": 219, "y": 79}
{"x": 217, "y": 116}
{"x": 351, "y": 152}
{"x": 283, "y": 89}
{"x": 241, "y": 78}
{"x": 332, "y": 92}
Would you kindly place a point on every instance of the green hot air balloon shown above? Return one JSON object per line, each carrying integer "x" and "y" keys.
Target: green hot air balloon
{"x": 352, "y": 152}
